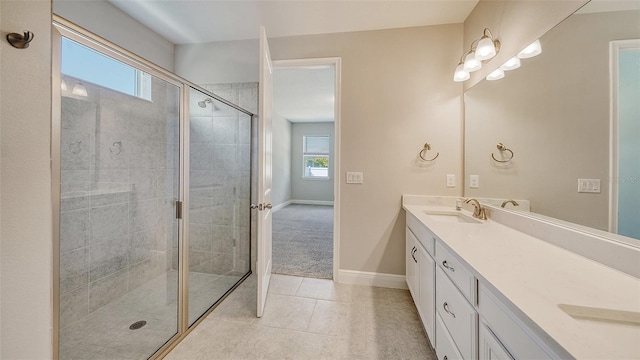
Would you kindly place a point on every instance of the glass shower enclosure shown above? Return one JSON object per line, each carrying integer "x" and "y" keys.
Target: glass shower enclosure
{"x": 152, "y": 202}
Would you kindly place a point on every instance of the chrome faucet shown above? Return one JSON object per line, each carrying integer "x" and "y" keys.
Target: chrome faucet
{"x": 478, "y": 211}
{"x": 504, "y": 203}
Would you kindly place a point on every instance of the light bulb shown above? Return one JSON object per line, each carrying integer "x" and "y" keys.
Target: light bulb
{"x": 511, "y": 64}
{"x": 460, "y": 74}
{"x": 486, "y": 49}
{"x": 79, "y": 90}
{"x": 530, "y": 51}
{"x": 63, "y": 85}
{"x": 471, "y": 63}
{"x": 495, "y": 75}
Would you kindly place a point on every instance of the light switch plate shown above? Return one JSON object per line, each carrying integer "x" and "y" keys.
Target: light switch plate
{"x": 451, "y": 180}
{"x": 474, "y": 181}
{"x": 589, "y": 186}
{"x": 355, "y": 178}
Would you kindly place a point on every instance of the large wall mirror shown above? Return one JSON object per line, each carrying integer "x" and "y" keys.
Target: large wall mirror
{"x": 554, "y": 113}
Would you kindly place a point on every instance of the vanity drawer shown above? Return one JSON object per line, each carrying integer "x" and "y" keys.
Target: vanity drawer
{"x": 459, "y": 317}
{"x": 445, "y": 347}
{"x": 463, "y": 279}
{"x": 508, "y": 331}
{"x": 425, "y": 237}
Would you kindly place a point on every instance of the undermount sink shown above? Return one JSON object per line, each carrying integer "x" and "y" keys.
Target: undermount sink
{"x": 451, "y": 216}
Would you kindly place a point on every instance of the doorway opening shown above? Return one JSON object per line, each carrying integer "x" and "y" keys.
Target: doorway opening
{"x": 305, "y": 188}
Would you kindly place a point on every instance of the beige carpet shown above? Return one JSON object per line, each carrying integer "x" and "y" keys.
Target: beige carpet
{"x": 303, "y": 241}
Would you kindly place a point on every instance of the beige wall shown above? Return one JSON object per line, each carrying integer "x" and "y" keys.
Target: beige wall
{"x": 219, "y": 62}
{"x": 515, "y": 23}
{"x": 397, "y": 94}
{"x": 25, "y": 191}
{"x": 553, "y": 112}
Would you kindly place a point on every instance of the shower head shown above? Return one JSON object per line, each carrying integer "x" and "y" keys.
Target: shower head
{"x": 203, "y": 103}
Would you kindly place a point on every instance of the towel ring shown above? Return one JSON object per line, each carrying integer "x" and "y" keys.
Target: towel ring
{"x": 501, "y": 147}
{"x": 424, "y": 150}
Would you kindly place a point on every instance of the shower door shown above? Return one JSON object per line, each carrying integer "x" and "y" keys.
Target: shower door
{"x": 119, "y": 142}
{"x": 219, "y": 198}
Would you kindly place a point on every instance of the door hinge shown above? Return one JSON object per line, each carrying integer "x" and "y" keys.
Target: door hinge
{"x": 178, "y": 209}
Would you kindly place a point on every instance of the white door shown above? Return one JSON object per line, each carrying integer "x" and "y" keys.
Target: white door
{"x": 265, "y": 96}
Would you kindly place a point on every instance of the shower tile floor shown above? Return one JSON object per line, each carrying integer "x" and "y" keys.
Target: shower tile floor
{"x": 307, "y": 318}
{"x": 105, "y": 333}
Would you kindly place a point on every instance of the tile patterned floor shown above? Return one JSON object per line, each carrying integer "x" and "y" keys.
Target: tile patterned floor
{"x": 105, "y": 333}
{"x": 310, "y": 319}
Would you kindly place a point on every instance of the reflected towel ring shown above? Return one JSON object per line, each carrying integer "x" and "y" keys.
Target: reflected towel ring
{"x": 424, "y": 150}
{"x": 501, "y": 147}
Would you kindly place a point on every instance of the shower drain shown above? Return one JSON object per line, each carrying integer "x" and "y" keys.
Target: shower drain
{"x": 137, "y": 325}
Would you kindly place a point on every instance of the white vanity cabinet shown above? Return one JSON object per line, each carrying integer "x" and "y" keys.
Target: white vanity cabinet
{"x": 420, "y": 273}
{"x": 411, "y": 262}
{"x": 510, "y": 338}
{"x": 490, "y": 347}
{"x": 455, "y": 296}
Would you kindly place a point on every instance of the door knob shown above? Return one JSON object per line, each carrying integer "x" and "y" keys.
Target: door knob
{"x": 261, "y": 206}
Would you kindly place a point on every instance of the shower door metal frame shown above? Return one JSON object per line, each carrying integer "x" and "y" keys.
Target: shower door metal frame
{"x": 64, "y": 28}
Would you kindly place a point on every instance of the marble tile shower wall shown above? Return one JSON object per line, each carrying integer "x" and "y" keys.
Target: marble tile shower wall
{"x": 220, "y": 181}
{"x": 119, "y": 178}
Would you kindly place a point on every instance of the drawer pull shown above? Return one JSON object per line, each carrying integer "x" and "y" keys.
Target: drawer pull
{"x": 446, "y": 308}
{"x": 444, "y": 263}
{"x": 413, "y": 254}
{"x": 445, "y": 357}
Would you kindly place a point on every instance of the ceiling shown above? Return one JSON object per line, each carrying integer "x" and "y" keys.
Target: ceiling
{"x": 199, "y": 21}
{"x": 300, "y": 95}
{"x": 304, "y": 94}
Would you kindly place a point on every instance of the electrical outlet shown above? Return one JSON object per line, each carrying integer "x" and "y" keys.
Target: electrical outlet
{"x": 474, "y": 181}
{"x": 355, "y": 178}
{"x": 451, "y": 180}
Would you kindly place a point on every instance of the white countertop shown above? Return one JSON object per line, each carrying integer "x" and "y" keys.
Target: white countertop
{"x": 536, "y": 276}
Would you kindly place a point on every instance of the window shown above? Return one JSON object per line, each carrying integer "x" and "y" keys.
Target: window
{"x": 88, "y": 65}
{"x": 315, "y": 156}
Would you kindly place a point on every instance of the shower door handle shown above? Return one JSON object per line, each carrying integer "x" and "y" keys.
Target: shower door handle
{"x": 178, "y": 209}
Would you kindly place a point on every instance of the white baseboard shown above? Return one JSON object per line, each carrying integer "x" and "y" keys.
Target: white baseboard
{"x": 304, "y": 202}
{"x": 311, "y": 202}
{"x": 372, "y": 279}
{"x": 280, "y": 206}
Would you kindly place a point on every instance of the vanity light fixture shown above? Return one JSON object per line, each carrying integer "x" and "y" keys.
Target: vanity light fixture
{"x": 79, "y": 90}
{"x": 530, "y": 51}
{"x": 481, "y": 50}
{"x": 511, "y": 64}
{"x": 460, "y": 74}
{"x": 487, "y": 46}
{"x": 495, "y": 75}
{"x": 471, "y": 63}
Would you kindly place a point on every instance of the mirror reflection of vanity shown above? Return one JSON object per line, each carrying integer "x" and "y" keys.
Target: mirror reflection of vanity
{"x": 553, "y": 113}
